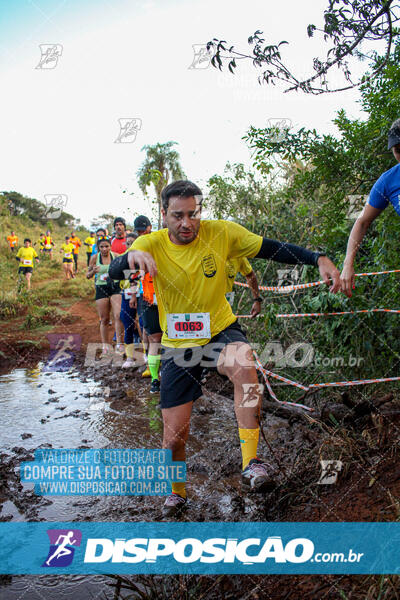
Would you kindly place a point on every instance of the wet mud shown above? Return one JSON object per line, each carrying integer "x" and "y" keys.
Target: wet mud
{"x": 108, "y": 407}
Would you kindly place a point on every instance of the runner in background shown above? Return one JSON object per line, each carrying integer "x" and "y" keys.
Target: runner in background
{"x": 129, "y": 313}
{"x": 108, "y": 293}
{"x": 12, "y": 241}
{"x": 48, "y": 244}
{"x": 142, "y": 226}
{"x": 242, "y": 265}
{"x": 25, "y": 257}
{"x": 118, "y": 244}
{"x": 67, "y": 248}
{"x": 89, "y": 243}
{"x": 77, "y": 244}
{"x": 41, "y": 242}
{"x": 101, "y": 232}
{"x": 151, "y": 326}
{"x": 385, "y": 191}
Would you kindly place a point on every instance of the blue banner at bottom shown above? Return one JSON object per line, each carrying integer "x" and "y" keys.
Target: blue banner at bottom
{"x": 203, "y": 548}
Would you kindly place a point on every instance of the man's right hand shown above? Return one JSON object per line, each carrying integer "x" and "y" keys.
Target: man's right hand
{"x": 143, "y": 260}
{"x": 347, "y": 280}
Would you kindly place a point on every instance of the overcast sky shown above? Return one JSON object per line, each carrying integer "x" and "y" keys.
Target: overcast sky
{"x": 125, "y": 59}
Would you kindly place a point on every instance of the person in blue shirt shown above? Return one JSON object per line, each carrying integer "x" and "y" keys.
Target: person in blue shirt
{"x": 99, "y": 233}
{"x": 385, "y": 191}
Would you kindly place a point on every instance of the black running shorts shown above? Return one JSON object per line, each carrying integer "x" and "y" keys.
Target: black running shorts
{"x": 181, "y": 368}
{"x": 150, "y": 318}
{"x": 111, "y": 288}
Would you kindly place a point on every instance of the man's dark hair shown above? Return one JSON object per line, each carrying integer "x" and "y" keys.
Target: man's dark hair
{"x": 101, "y": 229}
{"x": 27, "y": 240}
{"x": 120, "y": 220}
{"x": 182, "y": 188}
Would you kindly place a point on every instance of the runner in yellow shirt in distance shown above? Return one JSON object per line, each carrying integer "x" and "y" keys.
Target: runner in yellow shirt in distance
{"x": 25, "y": 257}
{"x": 48, "y": 244}
{"x": 77, "y": 244}
{"x": 187, "y": 262}
{"x": 67, "y": 248}
{"x": 89, "y": 243}
{"x": 41, "y": 242}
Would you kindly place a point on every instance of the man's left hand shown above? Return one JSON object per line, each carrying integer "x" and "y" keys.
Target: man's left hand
{"x": 256, "y": 308}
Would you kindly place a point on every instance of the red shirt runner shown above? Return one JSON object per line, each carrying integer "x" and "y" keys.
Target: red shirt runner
{"x": 118, "y": 245}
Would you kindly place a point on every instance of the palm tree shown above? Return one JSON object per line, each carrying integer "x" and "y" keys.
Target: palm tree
{"x": 161, "y": 164}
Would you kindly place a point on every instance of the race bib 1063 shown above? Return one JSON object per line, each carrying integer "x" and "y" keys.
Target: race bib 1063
{"x": 188, "y": 325}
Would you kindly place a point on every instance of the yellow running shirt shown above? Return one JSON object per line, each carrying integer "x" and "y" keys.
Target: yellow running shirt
{"x": 68, "y": 249}
{"x": 233, "y": 266}
{"x": 191, "y": 278}
{"x": 89, "y": 242}
{"x": 26, "y": 255}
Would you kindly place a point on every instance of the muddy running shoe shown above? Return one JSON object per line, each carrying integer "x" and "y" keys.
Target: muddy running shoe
{"x": 257, "y": 476}
{"x": 155, "y": 387}
{"x": 173, "y": 505}
{"x": 129, "y": 363}
{"x": 146, "y": 373}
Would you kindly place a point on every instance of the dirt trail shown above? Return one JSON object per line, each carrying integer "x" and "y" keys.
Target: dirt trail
{"x": 22, "y": 347}
{"x": 367, "y": 488}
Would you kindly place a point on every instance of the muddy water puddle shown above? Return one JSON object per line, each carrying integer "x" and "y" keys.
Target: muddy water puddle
{"x": 82, "y": 409}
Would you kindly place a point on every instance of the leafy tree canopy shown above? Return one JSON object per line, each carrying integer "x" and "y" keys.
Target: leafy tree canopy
{"x": 349, "y": 26}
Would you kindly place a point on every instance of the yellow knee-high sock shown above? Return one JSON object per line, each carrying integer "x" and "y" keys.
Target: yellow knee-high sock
{"x": 129, "y": 350}
{"x": 248, "y": 444}
{"x": 178, "y": 487}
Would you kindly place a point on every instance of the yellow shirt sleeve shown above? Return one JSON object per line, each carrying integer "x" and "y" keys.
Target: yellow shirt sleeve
{"x": 19, "y": 253}
{"x": 242, "y": 242}
{"x": 245, "y": 267}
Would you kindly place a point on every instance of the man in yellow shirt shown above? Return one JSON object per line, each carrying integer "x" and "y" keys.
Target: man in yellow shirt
{"x": 77, "y": 244}
{"x": 68, "y": 248}
{"x": 25, "y": 257}
{"x": 12, "y": 241}
{"x": 89, "y": 243}
{"x": 187, "y": 263}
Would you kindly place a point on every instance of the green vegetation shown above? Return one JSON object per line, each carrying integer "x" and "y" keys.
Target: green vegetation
{"x": 348, "y": 26}
{"x": 42, "y": 306}
{"x": 32, "y": 211}
{"x": 160, "y": 167}
{"x": 301, "y": 195}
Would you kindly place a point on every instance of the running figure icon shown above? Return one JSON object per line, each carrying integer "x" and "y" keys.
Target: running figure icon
{"x": 62, "y": 549}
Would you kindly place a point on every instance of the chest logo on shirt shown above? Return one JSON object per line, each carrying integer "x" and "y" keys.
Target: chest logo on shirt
{"x": 230, "y": 271}
{"x": 209, "y": 265}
